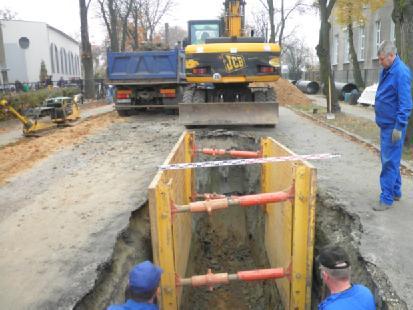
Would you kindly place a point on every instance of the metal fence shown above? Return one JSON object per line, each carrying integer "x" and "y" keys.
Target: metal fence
{"x": 19, "y": 87}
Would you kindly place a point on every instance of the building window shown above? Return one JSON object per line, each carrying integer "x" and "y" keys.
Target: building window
{"x": 77, "y": 65}
{"x": 392, "y": 31}
{"x": 377, "y": 31}
{"x": 56, "y": 54}
{"x": 62, "y": 62}
{"x": 66, "y": 62}
{"x": 52, "y": 57}
{"x": 346, "y": 47}
{"x": 362, "y": 43}
{"x": 335, "y": 50}
{"x": 24, "y": 43}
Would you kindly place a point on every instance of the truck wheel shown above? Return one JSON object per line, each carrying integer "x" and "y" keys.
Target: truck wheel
{"x": 123, "y": 113}
{"x": 199, "y": 96}
{"x": 271, "y": 95}
{"x": 265, "y": 96}
{"x": 188, "y": 94}
{"x": 193, "y": 96}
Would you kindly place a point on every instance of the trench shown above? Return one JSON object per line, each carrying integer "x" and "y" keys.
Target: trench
{"x": 233, "y": 240}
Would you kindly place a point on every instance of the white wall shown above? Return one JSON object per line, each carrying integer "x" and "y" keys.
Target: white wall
{"x": 24, "y": 64}
{"x": 70, "y": 47}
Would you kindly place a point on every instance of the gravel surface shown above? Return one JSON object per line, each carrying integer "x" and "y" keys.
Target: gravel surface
{"x": 59, "y": 220}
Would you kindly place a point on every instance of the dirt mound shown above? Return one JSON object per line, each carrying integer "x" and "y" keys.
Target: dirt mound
{"x": 25, "y": 153}
{"x": 288, "y": 94}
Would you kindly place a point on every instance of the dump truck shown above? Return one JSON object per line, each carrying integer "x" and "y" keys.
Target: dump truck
{"x": 229, "y": 74}
{"x": 146, "y": 79}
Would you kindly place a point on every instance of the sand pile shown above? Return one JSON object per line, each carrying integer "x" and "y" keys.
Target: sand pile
{"x": 288, "y": 94}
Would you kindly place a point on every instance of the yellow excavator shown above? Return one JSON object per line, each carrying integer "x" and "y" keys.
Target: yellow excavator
{"x": 61, "y": 110}
{"x": 229, "y": 75}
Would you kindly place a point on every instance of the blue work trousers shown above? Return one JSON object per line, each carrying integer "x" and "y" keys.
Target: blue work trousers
{"x": 391, "y": 155}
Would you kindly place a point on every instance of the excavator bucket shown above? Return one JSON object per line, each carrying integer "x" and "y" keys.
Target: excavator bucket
{"x": 228, "y": 114}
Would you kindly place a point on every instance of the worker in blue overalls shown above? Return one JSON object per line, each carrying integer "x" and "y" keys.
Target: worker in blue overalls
{"x": 393, "y": 107}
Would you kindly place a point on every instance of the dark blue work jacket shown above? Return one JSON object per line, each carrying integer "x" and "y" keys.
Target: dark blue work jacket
{"x": 393, "y": 98}
{"x": 358, "y": 297}
{"x": 133, "y": 305}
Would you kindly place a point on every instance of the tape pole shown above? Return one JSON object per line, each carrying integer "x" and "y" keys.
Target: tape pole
{"x": 249, "y": 161}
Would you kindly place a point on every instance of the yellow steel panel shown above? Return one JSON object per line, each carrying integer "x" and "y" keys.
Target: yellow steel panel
{"x": 289, "y": 238}
{"x": 171, "y": 235}
{"x": 303, "y": 237}
{"x": 278, "y": 237}
{"x": 165, "y": 257}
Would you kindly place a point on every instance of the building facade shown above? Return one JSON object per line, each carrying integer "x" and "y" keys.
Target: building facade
{"x": 378, "y": 27}
{"x": 26, "y": 44}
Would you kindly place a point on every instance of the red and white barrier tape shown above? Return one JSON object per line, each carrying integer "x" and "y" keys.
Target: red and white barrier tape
{"x": 249, "y": 161}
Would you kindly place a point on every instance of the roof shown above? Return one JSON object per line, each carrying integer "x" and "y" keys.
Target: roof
{"x": 47, "y": 25}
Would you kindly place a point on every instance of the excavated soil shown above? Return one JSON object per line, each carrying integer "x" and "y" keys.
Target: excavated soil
{"x": 288, "y": 94}
{"x": 25, "y": 153}
{"x": 231, "y": 240}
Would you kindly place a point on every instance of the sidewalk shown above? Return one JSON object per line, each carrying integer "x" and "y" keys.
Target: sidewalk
{"x": 355, "y": 110}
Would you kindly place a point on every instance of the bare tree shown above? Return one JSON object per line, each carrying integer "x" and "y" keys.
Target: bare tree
{"x": 87, "y": 60}
{"x": 296, "y": 55}
{"x": 125, "y": 10}
{"x": 284, "y": 13}
{"x": 134, "y": 28}
{"x": 153, "y": 11}
{"x": 7, "y": 14}
{"x": 323, "y": 52}
{"x": 109, "y": 12}
{"x": 261, "y": 24}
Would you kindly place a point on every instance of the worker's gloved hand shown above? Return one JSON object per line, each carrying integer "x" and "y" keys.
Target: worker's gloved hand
{"x": 396, "y": 135}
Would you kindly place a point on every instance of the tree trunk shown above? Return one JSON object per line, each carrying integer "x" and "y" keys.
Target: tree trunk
{"x": 403, "y": 14}
{"x": 282, "y": 27}
{"x": 272, "y": 22}
{"x": 87, "y": 59}
{"x": 323, "y": 53}
{"x": 356, "y": 67}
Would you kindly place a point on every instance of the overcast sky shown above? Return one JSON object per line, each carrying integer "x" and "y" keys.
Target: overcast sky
{"x": 64, "y": 15}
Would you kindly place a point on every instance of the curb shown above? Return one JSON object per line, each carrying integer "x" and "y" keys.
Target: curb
{"x": 404, "y": 164}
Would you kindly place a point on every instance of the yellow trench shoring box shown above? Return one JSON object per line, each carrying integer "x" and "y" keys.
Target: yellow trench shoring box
{"x": 289, "y": 226}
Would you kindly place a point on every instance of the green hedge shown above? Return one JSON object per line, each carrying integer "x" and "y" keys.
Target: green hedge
{"x": 32, "y": 99}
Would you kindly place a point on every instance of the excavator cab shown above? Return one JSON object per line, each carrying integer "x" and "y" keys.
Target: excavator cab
{"x": 229, "y": 75}
{"x": 201, "y": 30}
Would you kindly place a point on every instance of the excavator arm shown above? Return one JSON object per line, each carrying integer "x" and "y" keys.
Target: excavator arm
{"x": 29, "y": 127}
{"x": 234, "y": 18}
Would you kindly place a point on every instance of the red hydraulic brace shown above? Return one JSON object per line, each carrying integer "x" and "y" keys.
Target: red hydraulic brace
{"x": 210, "y": 279}
{"x": 232, "y": 153}
{"x": 236, "y": 201}
{"x": 209, "y": 196}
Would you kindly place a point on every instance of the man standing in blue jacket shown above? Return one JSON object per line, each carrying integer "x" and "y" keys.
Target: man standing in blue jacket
{"x": 393, "y": 107}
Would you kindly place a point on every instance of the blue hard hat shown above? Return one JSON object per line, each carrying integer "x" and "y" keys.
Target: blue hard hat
{"x": 144, "y": 277}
